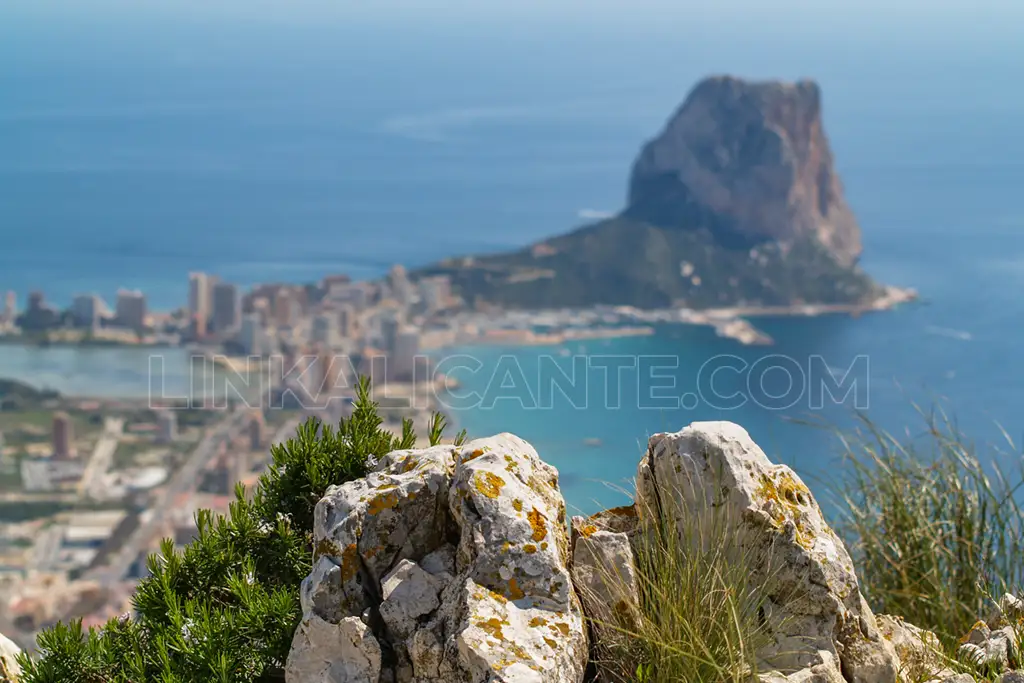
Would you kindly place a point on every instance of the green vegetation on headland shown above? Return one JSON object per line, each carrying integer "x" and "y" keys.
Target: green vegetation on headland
{"x": 623, "y": 262}
{"x": 20, "y": 392}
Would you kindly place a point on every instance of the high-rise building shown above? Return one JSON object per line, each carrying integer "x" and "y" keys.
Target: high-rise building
{"x": 389, "y": 323}
{"x": 167, "y": 423}
{"x": 435, "y": 291}
{"x": 86, "y": 310}
{"x": 346, "y": 321}
{"x": 199, "y": 326}
{"x": 398, "y": 282}
{"x": 36, "y": 302}
{"x": 402, "y": 360}
{"x": 261, "y": 307}
{"x": 257, "y": 438}
{"x": 130, "y": 310}
{"x": 251, "y": 336}
{"x": 199, "y": 299}
{"x": 331, "y": 368}
{"x": 286, "y": 309}
{"x": 38, "y": 316}
{"x": 10, "y": 307}
{"x": 63, "y": 437}
{"x": 227, "y": 307}
{"x": 323, "y": 331}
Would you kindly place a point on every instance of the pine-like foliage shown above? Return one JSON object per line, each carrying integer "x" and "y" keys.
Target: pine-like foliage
{"x": 226, "y": 607}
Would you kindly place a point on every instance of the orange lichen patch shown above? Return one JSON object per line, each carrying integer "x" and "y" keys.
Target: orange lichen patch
{"x": 349, "y": 562}
{"x": 514, "y": 591}
{"x": 381, "y": 502}
{"x": 409, "y": 465}
{"x": 506, "y": 546}
{"x": 497, "y": 596}
{"x": 537, "y": 621}
{"x": 511, "y": 465}
{"x": 492, "y": 627}
{"x": 544, "y": 546}
{"x": 551, "y": 643}
{"x": 473, "y": 455}
{"x": 373, "y": 552}
{"x": 517, "y": 505}
{"x": 538, "y": 523}
{"x": 782, "y": 497}
{"x": 561, "y": 628}
{"x": 978, "y": 624}
{"x": 489, "y": 484}
{"x": 588, "y": 530}
{"x": 529, "y": 549}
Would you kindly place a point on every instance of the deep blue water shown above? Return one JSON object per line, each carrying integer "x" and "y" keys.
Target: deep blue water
{"x": 136, "y": 148}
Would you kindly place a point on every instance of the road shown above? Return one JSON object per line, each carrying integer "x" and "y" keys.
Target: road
{"x": 185, "y": 479}
{"x": 91, "y": 483}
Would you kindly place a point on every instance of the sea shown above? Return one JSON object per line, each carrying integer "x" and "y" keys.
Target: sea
{"x": 141, "y": 142}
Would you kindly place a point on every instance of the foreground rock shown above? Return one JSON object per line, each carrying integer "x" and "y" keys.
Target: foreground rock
{"x": 444, "y": 565}
{"x": 9, "y": 669}
{"x": 821, "y": 625}
{"x": 920, "y": 651}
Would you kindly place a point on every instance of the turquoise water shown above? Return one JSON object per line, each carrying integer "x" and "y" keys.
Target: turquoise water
{"x": 141, "y": 145}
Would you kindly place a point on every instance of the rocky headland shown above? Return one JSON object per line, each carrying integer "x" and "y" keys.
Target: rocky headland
{"x": 735, "y": 203}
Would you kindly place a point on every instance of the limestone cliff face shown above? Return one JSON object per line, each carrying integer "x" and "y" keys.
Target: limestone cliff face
{"x": 746, "y": 160}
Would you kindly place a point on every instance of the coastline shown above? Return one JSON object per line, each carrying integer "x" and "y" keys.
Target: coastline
{"x": 603, "y": 322}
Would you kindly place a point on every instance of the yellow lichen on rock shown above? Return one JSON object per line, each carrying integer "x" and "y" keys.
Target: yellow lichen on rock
{"x": 514, "y": 591}
{"x": 489, "y": 484}
{"x": 349, "y": 562}
{"x": 382, "y": 501}
{"x": 539, "y": 524}
{"x": 492, "y": 627}
{"x": 782, "y": 496}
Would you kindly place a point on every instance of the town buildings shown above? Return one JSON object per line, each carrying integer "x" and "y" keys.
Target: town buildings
{"x": 227, "y": 307}
{"x": 63, "y": 437}
{"x": 130, "y": 309}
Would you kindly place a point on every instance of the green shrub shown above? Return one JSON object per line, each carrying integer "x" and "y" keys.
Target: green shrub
{"x": 225, "y": 608}
{"x": 934, "y": 528}
{"x": 701, "y": 592}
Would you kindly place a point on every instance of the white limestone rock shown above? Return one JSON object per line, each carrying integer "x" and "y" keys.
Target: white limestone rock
{"x": 9, "y": 669}
{"x": 920, "y": 651}
{"x": 814, "y": 609}
{"x": 454, "y": 561}
{"x": 516, "y": 610}
{"x": 409, "y": 593}
{"x": 365, "y": 527}
{"x": 603, "y": 567}
{"x": 989, "y": 650}
{"x": 322, "y": 652}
